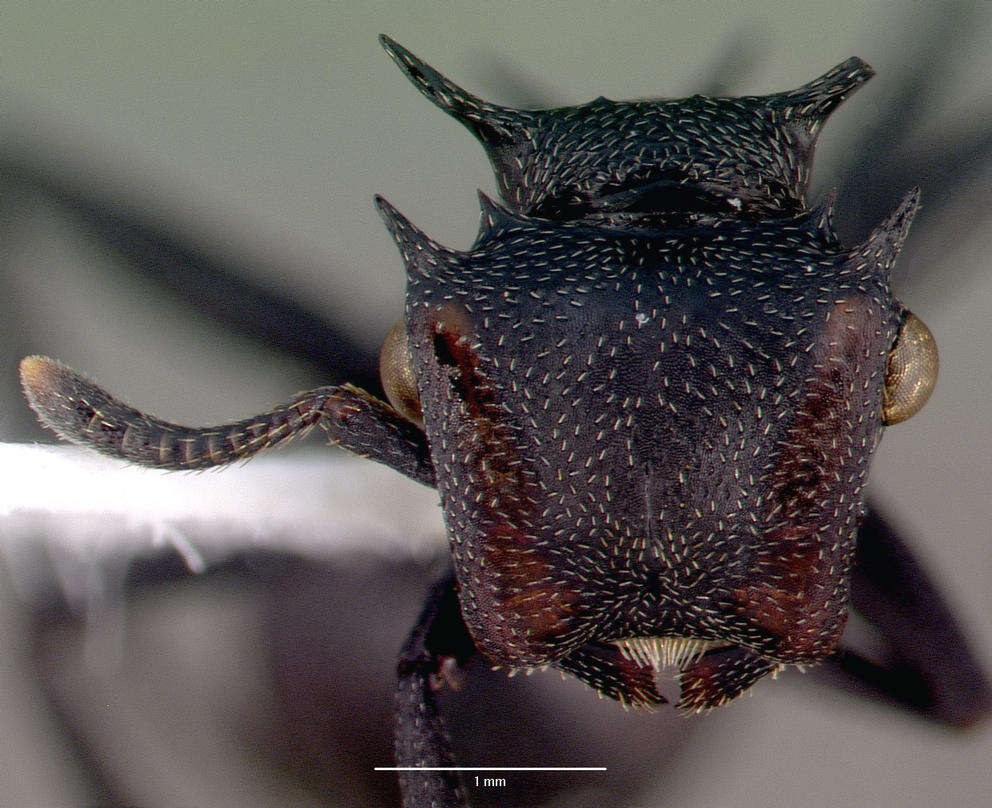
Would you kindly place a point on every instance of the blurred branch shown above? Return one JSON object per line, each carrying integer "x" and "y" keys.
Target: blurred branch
{"x": 81, "y": 512}
{"x": 212, "y": 284}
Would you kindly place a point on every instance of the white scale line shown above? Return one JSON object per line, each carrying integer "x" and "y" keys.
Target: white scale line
{"x": 490, "y": 768}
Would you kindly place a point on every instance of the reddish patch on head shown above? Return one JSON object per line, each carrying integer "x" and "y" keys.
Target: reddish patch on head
{"x": 534, "y": 604}
{"x": 516, "y": 604}
{"x": 798, "y": 579}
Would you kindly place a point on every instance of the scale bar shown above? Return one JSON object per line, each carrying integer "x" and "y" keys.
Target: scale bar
{"x": 490, "y": 768}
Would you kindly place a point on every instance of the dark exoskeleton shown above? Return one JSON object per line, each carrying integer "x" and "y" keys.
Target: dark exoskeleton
{"x": 648, "y": 396}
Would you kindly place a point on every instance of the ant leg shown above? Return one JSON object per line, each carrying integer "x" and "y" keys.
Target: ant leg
{"x": 83, "y": 413}
{"x": 439, "y": 641}
{"x": 930, "y": 667}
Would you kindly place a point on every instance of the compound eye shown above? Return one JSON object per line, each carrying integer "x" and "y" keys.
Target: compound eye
{"x": 398, "y": 378}
{"x": 911, "y": 372}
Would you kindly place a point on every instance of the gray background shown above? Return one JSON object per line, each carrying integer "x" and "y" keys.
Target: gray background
{"x": 263, "y": 130}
